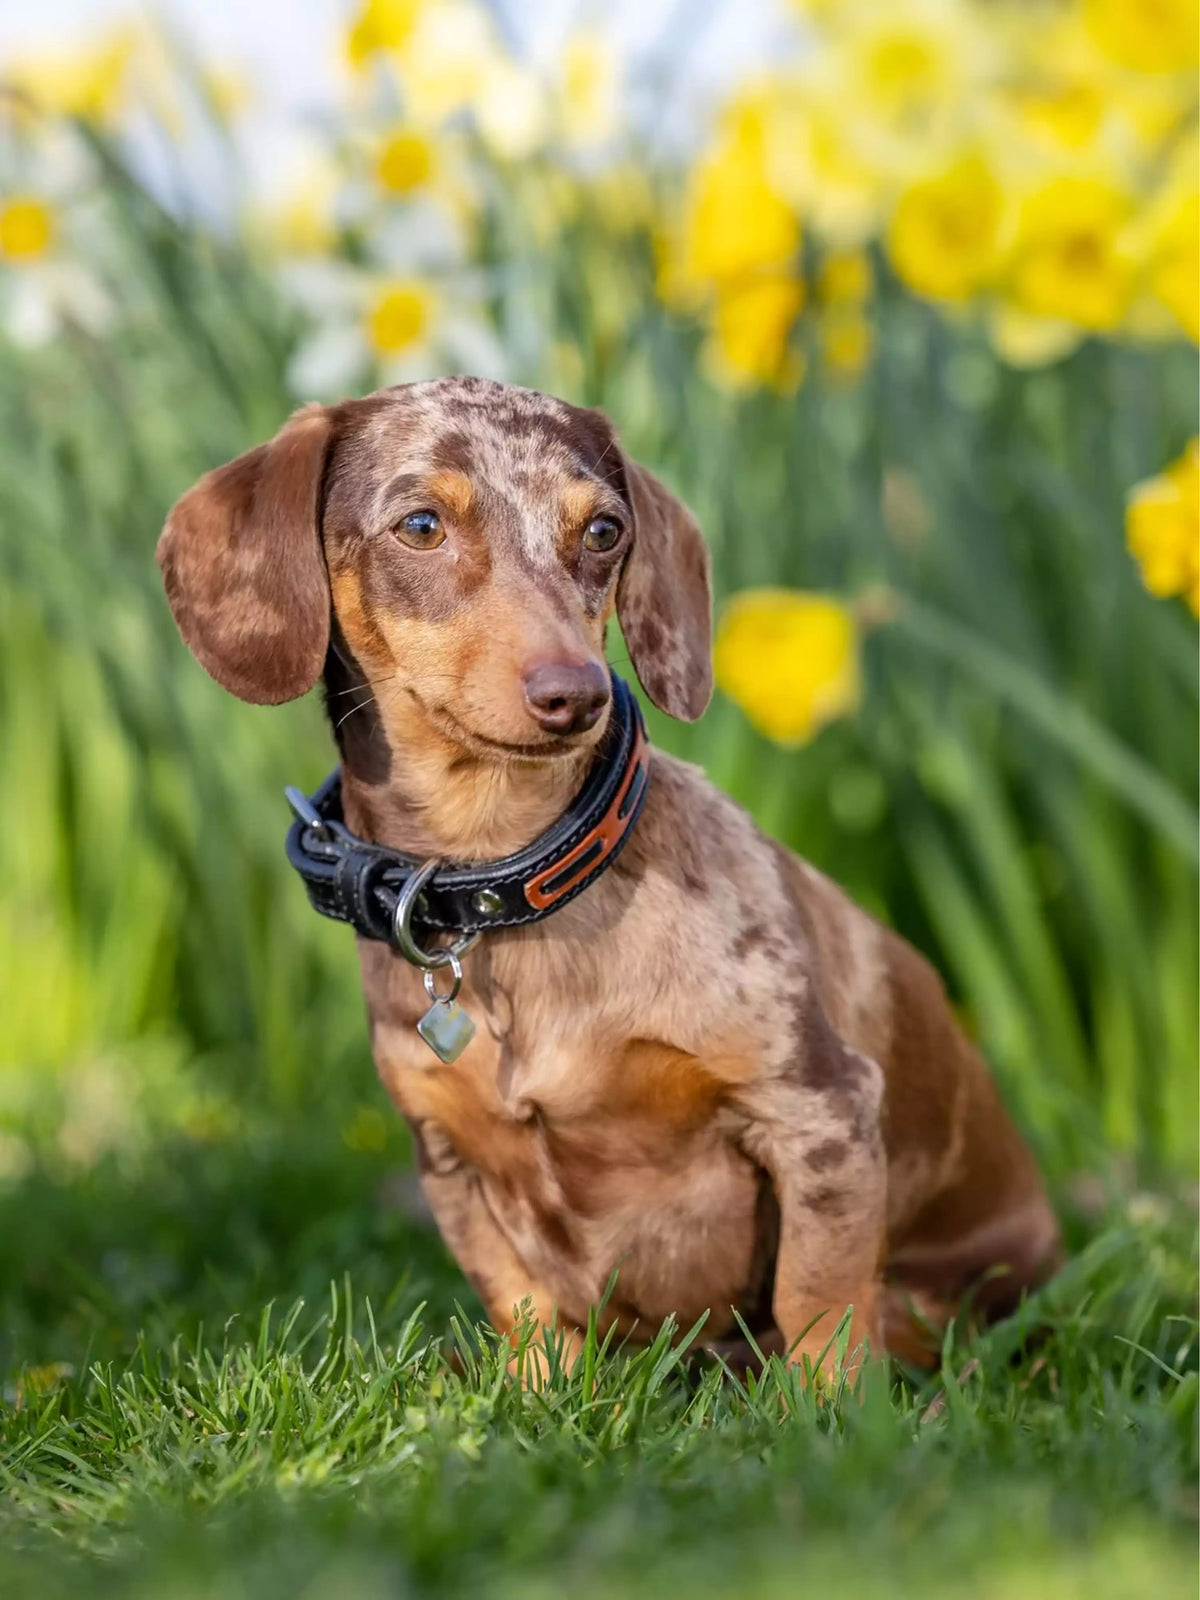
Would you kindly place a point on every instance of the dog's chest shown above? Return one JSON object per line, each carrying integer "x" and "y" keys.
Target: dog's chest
{"x": 592, "y": 1160}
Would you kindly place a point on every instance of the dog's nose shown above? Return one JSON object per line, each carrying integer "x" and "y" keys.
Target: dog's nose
{"x": 564, "y": 697}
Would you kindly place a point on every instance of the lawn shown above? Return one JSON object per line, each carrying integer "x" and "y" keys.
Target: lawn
{"x": 258, "y": 1373}
{"x": 235, "y": 1358}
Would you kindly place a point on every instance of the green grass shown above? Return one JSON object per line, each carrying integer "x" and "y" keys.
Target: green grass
{"x": 368, "y": 1438}
{"x": 192, "y": 1140}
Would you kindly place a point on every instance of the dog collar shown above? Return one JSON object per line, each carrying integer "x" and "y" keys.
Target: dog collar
{"x": 355, "y": 881}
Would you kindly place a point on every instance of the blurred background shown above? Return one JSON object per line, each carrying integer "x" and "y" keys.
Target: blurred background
{"x": 900, "y": 295}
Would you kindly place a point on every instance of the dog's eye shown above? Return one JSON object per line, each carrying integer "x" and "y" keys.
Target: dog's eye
{"x": 601, "y": 533}
{"x": 422, "y": 530}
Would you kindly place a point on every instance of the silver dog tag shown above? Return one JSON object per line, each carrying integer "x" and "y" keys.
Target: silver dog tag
{"x": 446, "y": 1029}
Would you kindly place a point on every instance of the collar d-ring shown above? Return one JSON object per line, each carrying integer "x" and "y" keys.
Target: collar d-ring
{"x": 402, "y": 935}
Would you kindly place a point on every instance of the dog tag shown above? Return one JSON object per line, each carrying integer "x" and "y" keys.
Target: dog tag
{"x": 446, "y": 1029}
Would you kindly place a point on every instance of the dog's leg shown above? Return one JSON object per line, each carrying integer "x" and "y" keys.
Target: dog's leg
{"x": 831, "y": 1245}
{"x": 514, "y": 1301}
{"x": 816, "y": 1131}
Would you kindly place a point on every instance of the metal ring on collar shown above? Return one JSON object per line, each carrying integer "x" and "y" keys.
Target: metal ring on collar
{"x": 430, "y": 981}
{"x": 402, "y": 935}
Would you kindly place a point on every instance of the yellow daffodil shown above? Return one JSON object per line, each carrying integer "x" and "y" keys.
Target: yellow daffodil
{"x": 847, "y": 340}
{"x": 380, "y": 26}
{"x": 566, "y": 369}
{"x": 907, "y": 63}
{"x": 905, "y": 67}
{"x": 1176, "y": 276}
{"x": 735, "y": 226}
{"x": 845, "y": 278}
{"x": 621, "y": 196}
{"x": 790, "y": 661}
{"x": 589, "y": 90}
{"x": 813, "y": 161}
{"x": 446, "y": 59}
{"x": 399, "y": 318}
{"x": 229, "y": 92}
{"x": 1070, "y": 262}
{"x": 1151, "y": 110}
{"x": 1007, "y": 156}
{"x": 1146, "y": 35}
{"x": 1069, "y": 112}
{"x": 405, "y": 162}
{"x": 903, "y": 80}
{"x": 302, "y": 221}
{"x": 1072, "y": 109}
{"x": 1174, "y": 273}
{"x": 751, "y": 327}
{"x": 1162, "y": 529}
{"x": 1022, "y": 340}
{"x": 1058, "y": 89}
{"x": 302, "y": 226}
{"x": 90, "y": 83}
{"x": 550, "y": 201}
{"x": 27, "y": 228}
{"x": 42, "y": 1380}
{"x": 945, "y": 237}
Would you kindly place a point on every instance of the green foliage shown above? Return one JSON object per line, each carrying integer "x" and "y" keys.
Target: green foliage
{"x": 1017, "y": 793}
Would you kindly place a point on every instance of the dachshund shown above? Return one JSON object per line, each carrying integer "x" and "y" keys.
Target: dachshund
{"x": 710, "y": 1073}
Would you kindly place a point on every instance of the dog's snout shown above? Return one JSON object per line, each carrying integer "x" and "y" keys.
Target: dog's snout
{"x": 565, "y": 696}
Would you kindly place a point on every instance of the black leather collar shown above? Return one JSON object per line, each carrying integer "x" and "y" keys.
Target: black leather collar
{"x": 357, "y": 882}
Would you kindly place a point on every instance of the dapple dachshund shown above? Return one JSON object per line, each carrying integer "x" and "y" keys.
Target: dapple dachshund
{"x": 709, "y": 1072}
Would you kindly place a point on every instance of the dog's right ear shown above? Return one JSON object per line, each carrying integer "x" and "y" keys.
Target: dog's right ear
{"x": 243, "y": 567}
{"x": 664, "y": 597}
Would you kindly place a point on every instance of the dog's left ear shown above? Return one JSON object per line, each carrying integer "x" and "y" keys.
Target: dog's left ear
{"x": 664, "y": 598}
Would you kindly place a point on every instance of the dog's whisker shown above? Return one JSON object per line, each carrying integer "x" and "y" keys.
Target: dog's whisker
{"x": 357, "y": 688}
{"x": 361, "y": 706}
{"x": 605, "y": 451}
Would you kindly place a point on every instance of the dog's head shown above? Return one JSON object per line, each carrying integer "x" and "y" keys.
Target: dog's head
{"x": 466, "y": 543}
